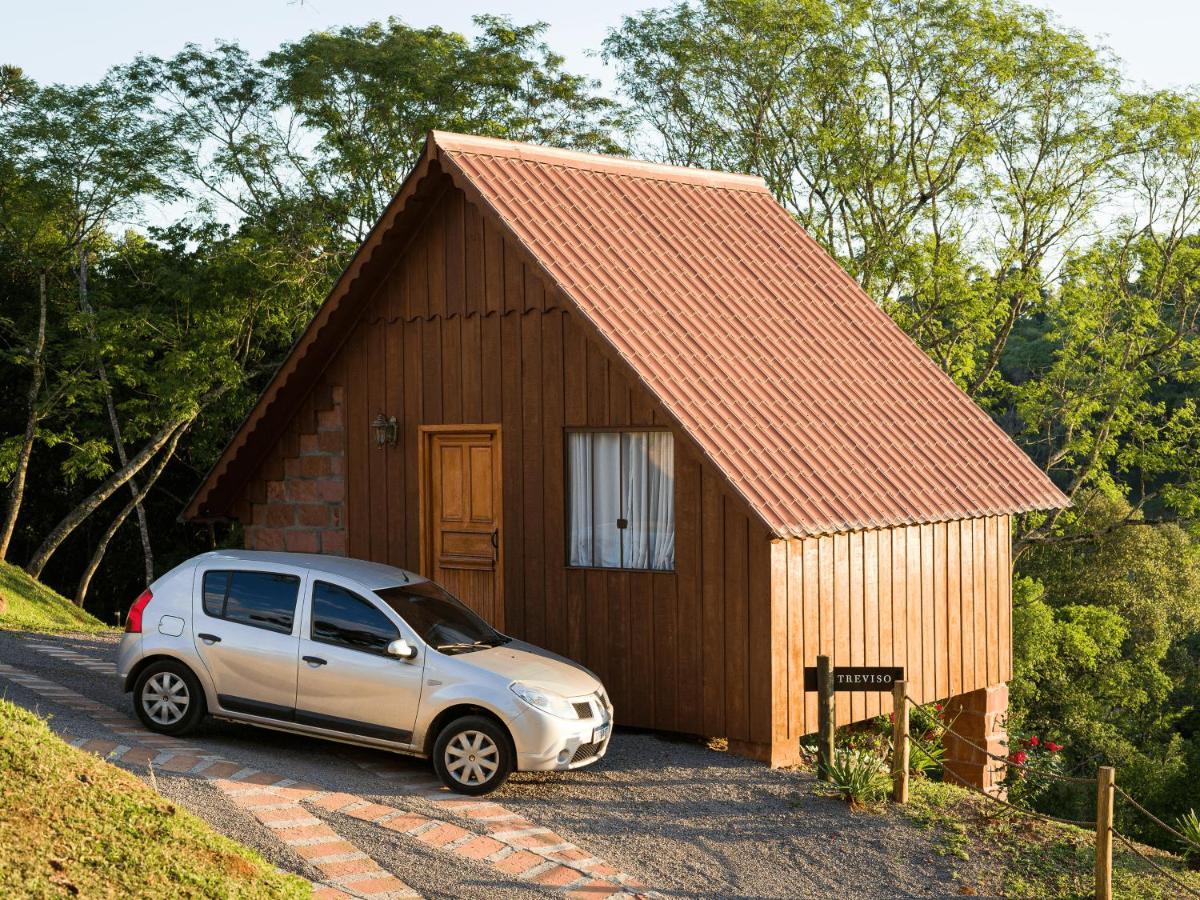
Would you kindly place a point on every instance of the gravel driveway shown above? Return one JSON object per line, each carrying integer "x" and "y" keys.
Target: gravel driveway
{"x": 672, "y": 815}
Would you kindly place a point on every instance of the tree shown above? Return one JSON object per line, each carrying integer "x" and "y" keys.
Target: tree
{"x": 96, "y": 144}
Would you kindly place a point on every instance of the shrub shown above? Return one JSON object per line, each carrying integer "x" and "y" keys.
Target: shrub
{"x": 1032, "y": 758}
{"x": 1189, "y": 826}
{"x": 860, "y": 778}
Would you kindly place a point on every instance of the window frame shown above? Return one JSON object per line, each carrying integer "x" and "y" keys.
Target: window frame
{"x": 566, "y": 470}
{"x": 297, "y": 610}
{"x": 365, "y": 596}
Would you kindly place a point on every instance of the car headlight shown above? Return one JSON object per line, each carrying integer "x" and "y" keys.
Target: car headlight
{"x": 546, "y": 701}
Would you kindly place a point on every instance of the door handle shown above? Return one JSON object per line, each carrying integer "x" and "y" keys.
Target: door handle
{"x": 209, "y": 638}
{"x": 495, "y": 538}
{"x": 313, "y": 661}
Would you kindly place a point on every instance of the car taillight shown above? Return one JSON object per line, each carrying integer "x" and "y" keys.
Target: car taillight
{"x": 133, "y": 622}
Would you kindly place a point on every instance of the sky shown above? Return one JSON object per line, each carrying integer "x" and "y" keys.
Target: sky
{"x": 73, "y": 41}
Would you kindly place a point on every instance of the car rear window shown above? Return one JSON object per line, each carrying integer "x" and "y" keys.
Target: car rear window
{"x": 261, "y": 599}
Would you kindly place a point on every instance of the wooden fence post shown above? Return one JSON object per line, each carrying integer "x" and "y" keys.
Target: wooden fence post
{"x": 900, "y": 742}
{"x": 1105, "y": 780}
{"x": 825, "y": 718}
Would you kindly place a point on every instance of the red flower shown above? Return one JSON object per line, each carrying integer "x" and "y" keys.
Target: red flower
{"x": 938, "y": 707}
{"x": 1033, "y": 741}
{"x": 1053, "y": 747}
{"x": 1019, "y": 757}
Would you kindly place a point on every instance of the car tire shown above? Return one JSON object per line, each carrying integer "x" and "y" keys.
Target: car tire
{"x": 473, "y": 755}
{"x": 168, "y": 698}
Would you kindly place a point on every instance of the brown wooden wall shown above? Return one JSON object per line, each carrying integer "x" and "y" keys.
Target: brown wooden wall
{"x": 933, "y": 598}
{"x": 465, "y": 331}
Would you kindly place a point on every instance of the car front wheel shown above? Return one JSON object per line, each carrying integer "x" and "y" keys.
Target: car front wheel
{"x": 168, "y": 698}
{"x": 473, "y": 755}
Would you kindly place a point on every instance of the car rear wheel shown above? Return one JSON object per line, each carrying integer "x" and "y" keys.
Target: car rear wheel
{"x": 168, "y": 698}
{"x": 473, "y": 755}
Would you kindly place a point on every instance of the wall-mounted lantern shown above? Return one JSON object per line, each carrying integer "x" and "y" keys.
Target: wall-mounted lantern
{"x": 386, "y": 430}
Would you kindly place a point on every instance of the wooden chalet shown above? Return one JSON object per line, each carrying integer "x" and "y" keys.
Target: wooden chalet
{"x": 635, "y": 414}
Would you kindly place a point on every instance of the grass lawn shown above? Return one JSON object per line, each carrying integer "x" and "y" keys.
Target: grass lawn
{"x": 1017, "y": 856}
{"x": 73, "y": 825}
{"x": 28, "y": 605}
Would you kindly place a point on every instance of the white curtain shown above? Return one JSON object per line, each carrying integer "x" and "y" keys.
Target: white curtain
{"x": 634, "y": 504}
{"x": 579, "y": 501}
{"x": 606, "y": 498}
{"x": 660, "y": 500}
{"x": 621, "y": 475}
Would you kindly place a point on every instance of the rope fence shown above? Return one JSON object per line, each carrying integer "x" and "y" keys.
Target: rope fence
{"x": 1166, "y": 873}
{"x": 1155, "y": 819}
{"x": 904, "y": 742}
{"x": 1107, "y": 793}
{"x": 1024, "y": 767}
{"x": 1021, "y": 809}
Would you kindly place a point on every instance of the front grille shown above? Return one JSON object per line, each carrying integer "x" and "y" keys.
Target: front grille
{"x": 583, "y": 710}
{"x": 585, "y": 751}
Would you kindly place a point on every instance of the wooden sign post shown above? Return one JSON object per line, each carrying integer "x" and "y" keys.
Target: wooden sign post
{"x": 900, "y": 746}
{"x": 826, "y": 680}
{"x": 825, "y": 718}
{"x": 1105, "y": 780}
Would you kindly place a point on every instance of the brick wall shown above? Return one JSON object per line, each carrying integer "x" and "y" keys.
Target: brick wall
{"x": 297, "y": 501}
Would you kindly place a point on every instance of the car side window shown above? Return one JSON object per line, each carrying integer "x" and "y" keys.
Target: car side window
{"x": 260, "y": 599}
{"x": 345, "y": 619}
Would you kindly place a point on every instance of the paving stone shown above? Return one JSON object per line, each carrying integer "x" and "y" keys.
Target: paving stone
{"x": 334, "y": 802}
{"x": 370, "y": 812}
{"x": 444, "y": 833}
{"x": 559, "y": 876}
{"x": 479, "y": 848}
{"x": 516, "y": 863}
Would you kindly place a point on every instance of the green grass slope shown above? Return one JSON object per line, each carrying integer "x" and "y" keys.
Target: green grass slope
{"x": 73, "y": 825}
{"x": 28, "y": 605}
{"x": 996, "y": 853}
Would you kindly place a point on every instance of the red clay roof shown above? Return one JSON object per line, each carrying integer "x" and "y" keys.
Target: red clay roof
{"x": 815, "y": 406}
{"x": 819, "y": 410}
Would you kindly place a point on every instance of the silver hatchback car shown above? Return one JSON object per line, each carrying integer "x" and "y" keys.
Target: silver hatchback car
{"x": 358, "y": 652}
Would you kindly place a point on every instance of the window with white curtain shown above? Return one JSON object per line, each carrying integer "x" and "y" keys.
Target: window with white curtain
{"x": 621, "y": 499}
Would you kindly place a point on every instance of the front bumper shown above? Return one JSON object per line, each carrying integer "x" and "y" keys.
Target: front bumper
{"x": 547, "y": 743}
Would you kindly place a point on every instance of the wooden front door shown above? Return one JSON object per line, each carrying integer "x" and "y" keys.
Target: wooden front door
{"x": 461, "y": 516}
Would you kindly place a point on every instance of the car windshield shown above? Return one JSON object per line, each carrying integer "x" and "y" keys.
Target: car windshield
{"x": 440, "y": 618}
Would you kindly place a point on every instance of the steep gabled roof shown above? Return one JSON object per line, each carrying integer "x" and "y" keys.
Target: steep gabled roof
{"x": 805, "y": 395}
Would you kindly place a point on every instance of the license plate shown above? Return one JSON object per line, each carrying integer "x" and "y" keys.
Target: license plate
{"x": 599, "y": 734}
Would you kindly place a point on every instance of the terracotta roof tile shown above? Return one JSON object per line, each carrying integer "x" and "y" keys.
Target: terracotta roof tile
{"x": 811, "y": 401}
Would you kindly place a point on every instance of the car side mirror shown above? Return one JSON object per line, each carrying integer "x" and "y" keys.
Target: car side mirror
{"x": 401, "y": 649}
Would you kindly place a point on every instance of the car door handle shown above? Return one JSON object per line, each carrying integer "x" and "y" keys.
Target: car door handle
{"x": 313, "y": 661}
{"x": 209, "y": 638}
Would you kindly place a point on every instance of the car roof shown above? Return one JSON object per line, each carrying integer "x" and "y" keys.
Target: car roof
{"x": 371, "y": 575}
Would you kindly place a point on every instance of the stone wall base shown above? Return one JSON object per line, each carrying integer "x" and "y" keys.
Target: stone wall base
{"x": 979, "y": 717}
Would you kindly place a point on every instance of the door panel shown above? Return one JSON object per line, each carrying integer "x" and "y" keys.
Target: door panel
{"x": 346, "y": 683}
{"x": 463, "y": 518}
{"x": 252, "y": 668}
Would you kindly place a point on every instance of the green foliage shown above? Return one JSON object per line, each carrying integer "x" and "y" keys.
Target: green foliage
{"x": 860, "y": 777}
{"x": 71, "y": 824}
{"x": 28, "y": 605}
{"x": 1102, "y": 642}
{"x": 1189, "y": 826}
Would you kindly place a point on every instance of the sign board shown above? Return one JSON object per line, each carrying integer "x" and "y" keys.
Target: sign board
{"x": 857, "y": 678}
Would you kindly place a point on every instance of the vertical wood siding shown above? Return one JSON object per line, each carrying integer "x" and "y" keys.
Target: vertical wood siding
{"x": 934, "y": 598}
{"x": 462, "y": 331}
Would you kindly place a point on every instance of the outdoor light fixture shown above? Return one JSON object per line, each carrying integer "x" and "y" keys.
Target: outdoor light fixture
{"x": 386, "y": 430}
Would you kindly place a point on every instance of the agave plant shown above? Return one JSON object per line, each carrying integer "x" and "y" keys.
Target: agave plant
{"x": 1189, "y": 826}
{"x": 924, "y": 763}
{"x": 860, "y": 778}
